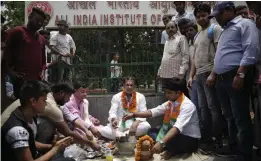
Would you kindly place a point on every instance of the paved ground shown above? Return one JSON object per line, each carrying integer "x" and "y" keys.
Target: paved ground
{"x": 194, "y": 157}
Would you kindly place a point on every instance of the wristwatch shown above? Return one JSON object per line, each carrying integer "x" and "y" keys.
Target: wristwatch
{"x": 241, "y": 75}
{"x": 163, "y": 145}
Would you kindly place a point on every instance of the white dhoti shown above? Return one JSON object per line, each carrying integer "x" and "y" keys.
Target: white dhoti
{"x": 110, "y": 133}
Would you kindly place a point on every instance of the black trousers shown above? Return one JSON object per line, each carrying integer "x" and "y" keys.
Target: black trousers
{"x": 182, "y": 144}
{"x": 235, "y": 106}
{"x": 17, "y": 84}
{"x": 115, "y": 85}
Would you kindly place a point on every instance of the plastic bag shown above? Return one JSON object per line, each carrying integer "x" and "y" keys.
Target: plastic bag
{"x": 75, "y": 152}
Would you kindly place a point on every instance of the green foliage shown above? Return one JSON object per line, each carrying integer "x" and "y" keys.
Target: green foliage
{"x": 14, "y": 13}
{"x": 135, "y": 45}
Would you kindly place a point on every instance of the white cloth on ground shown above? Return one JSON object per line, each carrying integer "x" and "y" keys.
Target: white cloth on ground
{"x": 108, "y": 132}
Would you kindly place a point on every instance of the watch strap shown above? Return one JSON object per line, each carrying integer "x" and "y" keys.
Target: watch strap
{"x": 162, "y": 144}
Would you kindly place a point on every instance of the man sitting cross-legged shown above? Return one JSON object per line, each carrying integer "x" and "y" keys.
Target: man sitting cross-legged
{"x": 122, "y": 103}
{"x": 79, "y": 107}
{"x": 53, "y": 118}
{"x": 180, "y": 130}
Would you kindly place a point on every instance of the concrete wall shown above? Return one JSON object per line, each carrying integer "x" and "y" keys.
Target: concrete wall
{"x": 100, "y": 105}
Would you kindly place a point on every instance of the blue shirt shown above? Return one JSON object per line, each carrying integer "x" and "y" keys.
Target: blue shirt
{"x": 164, "y": 37}
{"x": 238, "y": 45}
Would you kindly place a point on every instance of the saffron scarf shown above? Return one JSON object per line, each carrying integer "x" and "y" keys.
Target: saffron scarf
{"x": 170, "y": 116}
{"x": 128, "y": 106}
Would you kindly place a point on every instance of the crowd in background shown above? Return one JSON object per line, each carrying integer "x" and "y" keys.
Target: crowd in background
{"x": 218, "y": 53}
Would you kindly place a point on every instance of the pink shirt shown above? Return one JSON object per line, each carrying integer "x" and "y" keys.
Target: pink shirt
{"x": 81, "y": 109}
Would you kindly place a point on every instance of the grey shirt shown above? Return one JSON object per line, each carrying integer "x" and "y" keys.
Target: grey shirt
{"x": 205, "y": 49}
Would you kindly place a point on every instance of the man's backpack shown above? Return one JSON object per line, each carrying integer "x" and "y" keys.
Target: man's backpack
{"x": 210, "y": 34}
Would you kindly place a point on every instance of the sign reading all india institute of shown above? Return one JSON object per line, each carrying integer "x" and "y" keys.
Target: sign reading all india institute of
{"x": 82, "y": 14}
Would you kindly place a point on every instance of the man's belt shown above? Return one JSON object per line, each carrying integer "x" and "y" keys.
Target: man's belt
{"x": 228, "y": 75}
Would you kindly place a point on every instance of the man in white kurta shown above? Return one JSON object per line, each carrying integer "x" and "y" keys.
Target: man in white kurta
{"x": 116, "y": 126}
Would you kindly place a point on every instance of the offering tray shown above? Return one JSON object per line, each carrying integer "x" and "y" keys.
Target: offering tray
{"x": 91, "y": 155}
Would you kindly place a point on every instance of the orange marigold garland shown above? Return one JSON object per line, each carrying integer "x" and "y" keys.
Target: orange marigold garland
{"x": 132, "y": 106}
{"x": 139, "y": 143}
{"x": 169, "y": 104}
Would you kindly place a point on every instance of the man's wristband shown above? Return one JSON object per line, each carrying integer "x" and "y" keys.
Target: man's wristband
{"x": 163, "y": 145}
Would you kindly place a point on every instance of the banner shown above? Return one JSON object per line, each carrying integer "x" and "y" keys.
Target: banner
{"x": 93, "y": 14}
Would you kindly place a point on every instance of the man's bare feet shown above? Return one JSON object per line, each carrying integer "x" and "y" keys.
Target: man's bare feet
{"x": 166, "y": 155}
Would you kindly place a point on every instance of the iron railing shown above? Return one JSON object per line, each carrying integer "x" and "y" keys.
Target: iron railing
{"x": 139, "y": 50}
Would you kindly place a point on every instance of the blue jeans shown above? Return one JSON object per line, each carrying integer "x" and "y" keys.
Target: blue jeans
{"x": 210, "y": 108}
{"x": 194, "y": 99}
{"x": 235, "y": 105}
{"x": 194, "y": 93}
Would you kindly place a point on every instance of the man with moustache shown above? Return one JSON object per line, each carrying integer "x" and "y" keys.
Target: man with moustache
{"x": 52, "y": 118}
{"x": 237, "y": 53}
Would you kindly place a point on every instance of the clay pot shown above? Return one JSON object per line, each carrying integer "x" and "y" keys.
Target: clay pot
{"x": 145, "y": 146}
{"x": 145, "y": 155}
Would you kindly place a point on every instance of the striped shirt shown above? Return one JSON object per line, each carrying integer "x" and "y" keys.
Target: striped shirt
{"x": 175, "y": 60}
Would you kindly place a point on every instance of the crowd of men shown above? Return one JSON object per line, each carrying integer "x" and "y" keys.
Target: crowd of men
{"x": 219, "y": 59}
{"x": 220, "y": 51}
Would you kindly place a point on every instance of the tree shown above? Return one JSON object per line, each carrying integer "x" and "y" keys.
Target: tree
{"x": 14, "y": 12}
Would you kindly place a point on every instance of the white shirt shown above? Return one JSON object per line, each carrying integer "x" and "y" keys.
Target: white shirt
{"x": 17, "y": 137}
{"x": 118, "y": 112}
{"x": 116, "y": 70}
{"x": 187, "y": 121}
{"x": 47, "y": 51}
{"x": 187, "y": 15}
{"x": 164, "y": 37}
{"x": 64, "y": 44}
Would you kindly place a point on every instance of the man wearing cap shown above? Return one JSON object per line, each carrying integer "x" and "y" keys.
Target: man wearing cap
{"x": 63, "y": 46}
{"x": 236, "y": 55}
